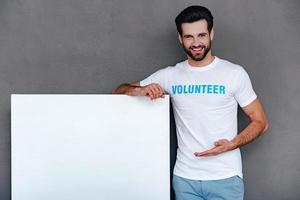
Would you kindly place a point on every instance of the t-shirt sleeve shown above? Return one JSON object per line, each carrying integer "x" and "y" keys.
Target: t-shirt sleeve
{"x": 158, "y": 77}
{"x": 244, "y": 93}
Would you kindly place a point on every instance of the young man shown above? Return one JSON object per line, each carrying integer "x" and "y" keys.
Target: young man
{"x": 205, "y": 91}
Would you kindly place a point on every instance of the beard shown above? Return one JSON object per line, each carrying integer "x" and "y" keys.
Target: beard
{"x": 198, "y": 56}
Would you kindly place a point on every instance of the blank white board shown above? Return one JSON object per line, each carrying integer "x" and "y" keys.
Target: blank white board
{"x": 95, "y": 147}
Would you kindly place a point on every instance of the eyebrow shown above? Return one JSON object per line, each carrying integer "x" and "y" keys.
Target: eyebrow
{"x": 188, "y": 35}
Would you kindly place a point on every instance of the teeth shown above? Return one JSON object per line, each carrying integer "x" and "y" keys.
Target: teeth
{"x": 197, "y": 49}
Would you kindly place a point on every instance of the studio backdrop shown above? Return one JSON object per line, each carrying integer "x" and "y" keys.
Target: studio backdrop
{"x": 92, "y": 46}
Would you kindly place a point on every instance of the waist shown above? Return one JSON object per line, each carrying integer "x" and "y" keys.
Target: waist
{"x": 208, "y": 168}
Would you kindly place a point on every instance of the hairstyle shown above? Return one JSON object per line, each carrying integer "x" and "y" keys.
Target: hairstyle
{"x": 193, "y": 14}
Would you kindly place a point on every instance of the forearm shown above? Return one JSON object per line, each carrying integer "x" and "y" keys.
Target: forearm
{"x": 258, "y": 125}
{"x": 250, "y": 133}
{"x": 128, "y": 89}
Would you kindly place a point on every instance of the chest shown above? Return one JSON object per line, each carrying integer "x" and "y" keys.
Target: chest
{"x": 210, "y": 92}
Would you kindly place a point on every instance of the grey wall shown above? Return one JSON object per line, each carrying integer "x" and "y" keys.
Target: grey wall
{"x": 91, "y": 46}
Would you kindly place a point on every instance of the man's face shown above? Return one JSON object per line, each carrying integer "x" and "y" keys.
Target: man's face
{"x": 196, "y": 39}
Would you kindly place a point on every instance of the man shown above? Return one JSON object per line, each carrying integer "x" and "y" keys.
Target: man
{"x": 205, "y": 91}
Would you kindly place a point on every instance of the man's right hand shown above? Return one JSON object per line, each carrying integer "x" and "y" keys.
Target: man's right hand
{"x": 153, "y": 91}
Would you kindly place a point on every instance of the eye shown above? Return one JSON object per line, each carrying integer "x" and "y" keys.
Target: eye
{"x": 188, "y": 36}
{"x": 202, "y": 35}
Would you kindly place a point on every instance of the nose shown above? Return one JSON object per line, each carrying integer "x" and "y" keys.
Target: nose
{"x": 196, "y": 42}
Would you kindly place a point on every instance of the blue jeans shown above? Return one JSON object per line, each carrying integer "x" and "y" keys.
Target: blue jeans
{"x": 231, "y": 188}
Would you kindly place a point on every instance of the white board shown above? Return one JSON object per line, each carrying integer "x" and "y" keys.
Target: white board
{"x": 95, "y": 147}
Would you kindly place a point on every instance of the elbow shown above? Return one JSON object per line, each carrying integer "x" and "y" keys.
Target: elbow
{"x": 115, "y": 91}
{"x": 265, "y": 126}
{"x": 118, "y": 90}
{"x": 262, "y": 126}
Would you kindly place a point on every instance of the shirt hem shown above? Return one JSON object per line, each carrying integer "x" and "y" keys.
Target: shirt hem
{"x": 210, "y": 177}
{"x": 250, "y": 100}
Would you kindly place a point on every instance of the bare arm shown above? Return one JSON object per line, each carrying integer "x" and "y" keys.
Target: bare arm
{"x": 152, "y": 90}
{"x": 129, "y": 89}
{"x": 258, "y": 125}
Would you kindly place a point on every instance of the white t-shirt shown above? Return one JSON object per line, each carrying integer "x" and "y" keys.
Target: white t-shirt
{"x": 205, "y": 102}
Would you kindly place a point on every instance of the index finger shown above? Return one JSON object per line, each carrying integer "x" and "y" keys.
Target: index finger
{"x": 160, "y": 90}
{"x": 207, "y": 152}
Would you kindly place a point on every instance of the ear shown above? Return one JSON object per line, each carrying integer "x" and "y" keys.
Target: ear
{"x": 179, "y": 38}
{"x": 212, "y": 33}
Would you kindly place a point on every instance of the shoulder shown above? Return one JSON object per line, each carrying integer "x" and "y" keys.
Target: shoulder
{"x": 230, "y": 67}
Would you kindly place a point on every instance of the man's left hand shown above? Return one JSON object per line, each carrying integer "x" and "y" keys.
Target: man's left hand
{"x": 221, "y": 146}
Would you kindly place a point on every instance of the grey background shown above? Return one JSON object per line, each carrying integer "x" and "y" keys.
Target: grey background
{"x": 91, "y": 46}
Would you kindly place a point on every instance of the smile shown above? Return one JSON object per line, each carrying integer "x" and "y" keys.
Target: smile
{"x": 197, "y": 49}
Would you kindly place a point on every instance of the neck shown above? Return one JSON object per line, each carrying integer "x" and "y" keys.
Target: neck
{"x": 206, "y": 61}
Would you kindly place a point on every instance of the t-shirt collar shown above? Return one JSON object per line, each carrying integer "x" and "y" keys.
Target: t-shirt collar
{"x": 203, "y": 68}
